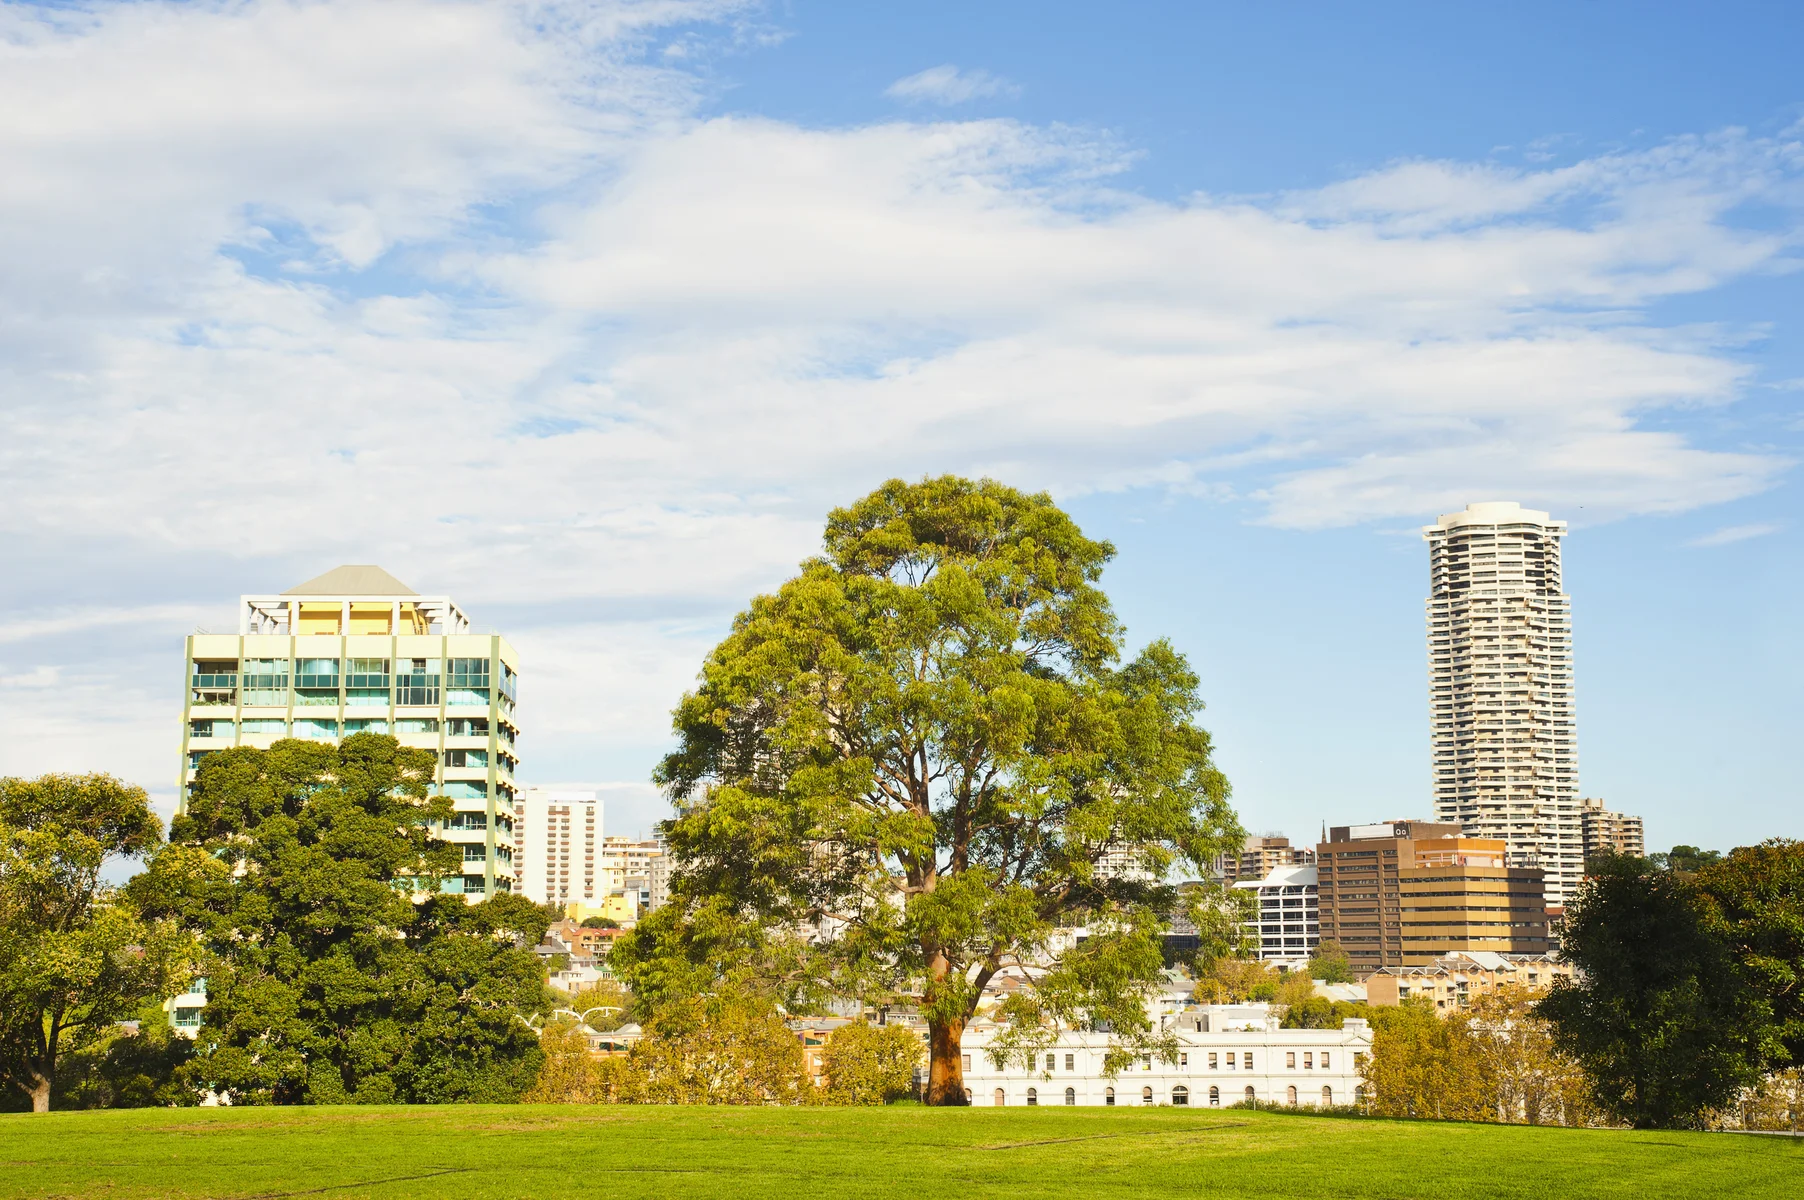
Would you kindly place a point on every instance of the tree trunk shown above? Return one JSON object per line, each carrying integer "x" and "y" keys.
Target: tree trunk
{"x": 945, "y": 1072}
{"x": 40, "y": 1091}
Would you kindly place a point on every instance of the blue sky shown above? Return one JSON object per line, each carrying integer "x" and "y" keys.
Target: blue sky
{"x": 587, "y": 312}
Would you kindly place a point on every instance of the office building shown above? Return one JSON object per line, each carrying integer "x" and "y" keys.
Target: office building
{"x": 356, "y": 651}
{"x": 1286, "y": 925}
{"x": 1603, "y": 832}
{"x": 1501, "y": 702}
{"x": 1225, "y": 1055}
{"x": 1404, "y": 893}
{"x": 1260, "y": 856}
{"x": 557, "y": 847}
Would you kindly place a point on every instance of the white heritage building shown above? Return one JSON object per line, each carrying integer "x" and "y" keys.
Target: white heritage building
{"x": 1227, "y": 1054}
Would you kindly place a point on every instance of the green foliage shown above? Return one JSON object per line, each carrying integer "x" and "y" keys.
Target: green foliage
{"x": 871, "y": 1064}
{"x": 1237, "y": 980}
{"x": 1330, "y": 963}
{"x": 600, "y": 923}
{"x": 926, "y": 744}
{"x": 75, "y": 957}
{"x": 1685, "y": 859}
{"x": 1664, "y": 1020}
{"x": 1319, "y": 1012}
{"x": 724, "y": 1048}
{"x": 1754, "y": 902}
{"x": 337, "y": 972}
{"x": 129, "y": 1069}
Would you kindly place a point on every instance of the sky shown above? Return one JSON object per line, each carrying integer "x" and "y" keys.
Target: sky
{"x": 586, "y": 314}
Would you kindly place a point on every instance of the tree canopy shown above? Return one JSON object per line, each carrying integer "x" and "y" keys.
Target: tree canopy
{"x": 75, "y": 957}
{"x": 337, "y": 972}
{"x": 926, "y": 750}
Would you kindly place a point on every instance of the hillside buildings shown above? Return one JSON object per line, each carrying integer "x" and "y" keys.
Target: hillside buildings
{"x": 354, "y": 651}
{"x": 1453, "y": 981}
{"x": 1404, "y": 893}
{"x": 1500, "y": 660}
{"x": 1287, "y": 924}
{"x": 1260, "y": 856}
{"x": 1602, "y": 831}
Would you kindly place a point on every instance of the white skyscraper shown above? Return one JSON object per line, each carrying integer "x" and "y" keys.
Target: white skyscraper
{"x": 1500, "y": 661}
{"x": 557, "y": 840}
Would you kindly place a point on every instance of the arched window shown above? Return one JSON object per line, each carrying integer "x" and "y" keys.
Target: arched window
{"x": 1000, "y": 1098}
{"x": 1359, "y": 1094}
{"x": 1033, "y": 1098}
{"x": 1250, "y": 1096}
{"x": 1327, "y": 1097}
{"x": 1180, "y": 1095}
{"x": 1070, "y": 1095}
{"x": 1146, "y": 1095}
{"x": 1290, "y": 1096}
{"x": 1214, "y": 1097}
{"x": 967, "y": 1095}
{"x": 1108, "y": 1097}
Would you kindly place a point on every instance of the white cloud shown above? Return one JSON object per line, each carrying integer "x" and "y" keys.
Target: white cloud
{"x": 947, "y": 85}
{"x": 588, "y": 361}
{"x": 1735, "y": 533}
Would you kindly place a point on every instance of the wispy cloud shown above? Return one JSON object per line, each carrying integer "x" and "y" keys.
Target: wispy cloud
{"x": 1734, "y": 533}
{"x": 947, "y": 85}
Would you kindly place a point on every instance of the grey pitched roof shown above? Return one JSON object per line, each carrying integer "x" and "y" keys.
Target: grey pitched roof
{"x": 352, "y": 581}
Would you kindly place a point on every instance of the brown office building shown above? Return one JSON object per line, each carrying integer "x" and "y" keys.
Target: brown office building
{"x": 1404, "y": 893}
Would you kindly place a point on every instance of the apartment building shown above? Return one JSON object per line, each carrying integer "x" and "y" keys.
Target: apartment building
{"x": 356, "y": 651}
{"x": 1603, "y": 831}
{"x": 1404, "y": 893}
{"x": 1453, "y": 981}
{"x": 1286, "y": 925}
{"x": 1260, "y": 856}
{"x": 557, "y": 847}
{"x": 1501, "y": 696}
{"x": 1223, "y": 1058}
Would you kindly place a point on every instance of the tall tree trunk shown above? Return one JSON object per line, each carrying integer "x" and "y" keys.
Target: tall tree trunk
{"x": 40, "y": 1091}
{"x": 945, "y": 1071}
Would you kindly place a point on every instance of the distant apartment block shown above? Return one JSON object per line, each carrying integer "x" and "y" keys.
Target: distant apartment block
{"x": 1603, "y": 831}
{"x": 1453, "y": 981}
{"x": 1287, "y": 923}
{"x": 357, "y": 651}
{"x": 1501, "y": 700}
{"x": 557, "y": 847}
{"x": 1404, "y": 893}
{"x": 1260, "y": 856}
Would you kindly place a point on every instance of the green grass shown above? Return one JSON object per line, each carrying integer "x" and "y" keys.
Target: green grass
{"x": 474, "y": 1153}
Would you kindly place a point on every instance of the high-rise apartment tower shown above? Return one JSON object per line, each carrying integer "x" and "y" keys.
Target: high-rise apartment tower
{"x": 1501, "y": 704}
{"x": 358, "y": 651}
{"x": 557, "y": 845}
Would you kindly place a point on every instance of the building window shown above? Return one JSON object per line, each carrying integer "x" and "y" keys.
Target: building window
{"x": 1183, "y": 1060}
{"x": 1180, "y": 1095}
{"x": 964, "y": 1062}
{"x": 1308, "y": 1061}
{"x": 1290, "y": 1096}
{"x": 1214, "y": 1064}
{"x": 1214, "y": 1097}
{"x": 1146, "y": 1095}
{"x": 1070, "y": 1095}
{"x": 1146, "y": 1062}
{"x": 1327, "y": 1097}
{"x": 1359, "y": 1094}
{"x": 1033, "y": 1098}
{"x": 1052, "y": 1062}
{"x": 1000, "y": 1098}
{"x": 1246, "y": 1060}
{"x": 1070, "y": 1062}
{"x": 1324, "y": 1060}
{"x": 1290, "y": 1060}
{"x": 1250, "y": 1097}
{"x": 1108, "y": 1097}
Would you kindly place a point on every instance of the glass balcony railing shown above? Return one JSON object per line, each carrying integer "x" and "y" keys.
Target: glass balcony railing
{"x": 216, "y": 682}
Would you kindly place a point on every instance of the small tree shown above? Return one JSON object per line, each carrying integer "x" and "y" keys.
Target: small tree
{"x": 75, "y": 956}
{"x": 926, "y": 748}
{"x": 1423, "y": 1066}
{"x": 871, "y": 1064}
{"x": 721, "y": 1049}
{"x": 1330, "y": 964}
{"x": 570, "y": 1073}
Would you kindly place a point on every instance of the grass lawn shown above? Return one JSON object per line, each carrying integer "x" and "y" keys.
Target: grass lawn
{"x": 474, "y": 1153}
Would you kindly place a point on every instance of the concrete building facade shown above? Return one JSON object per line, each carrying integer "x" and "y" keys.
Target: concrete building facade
{"x": 356, "y": 651}
{"x": 1260, "y": 856}
{"x": 1453, "y": 981}
{"x": 1403, "y": 893}
{"x": 557, "y": 846}
{"x": 1601, "y": 830}
{"x": 1227, "y": 1054}
{"x": 1287, "y": 923}
{"x": 1502, "y": 715}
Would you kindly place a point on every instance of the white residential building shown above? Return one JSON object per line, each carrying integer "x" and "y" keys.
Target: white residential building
{"x": 1501, "y": 703}
{"x": 557, "y": 847}
{"x": 1287, "y": 925}
{"x": 1227, "y": 1054}
{"x": 358, "y": 651}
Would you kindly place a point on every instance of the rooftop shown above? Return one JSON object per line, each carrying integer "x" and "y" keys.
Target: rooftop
{"x": 364, "y": 580}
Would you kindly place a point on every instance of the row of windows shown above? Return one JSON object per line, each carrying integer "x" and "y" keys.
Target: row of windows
{"x": 222, "y": 727}
{"x": 1146, "y": 1060}
{"x": 1180, "y": 1096}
